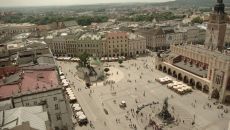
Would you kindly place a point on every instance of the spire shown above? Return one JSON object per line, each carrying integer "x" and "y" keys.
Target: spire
{"x": 219, "y": 7}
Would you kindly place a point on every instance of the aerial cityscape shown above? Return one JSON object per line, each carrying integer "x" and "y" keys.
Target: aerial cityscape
{"x": 115, "y": 65}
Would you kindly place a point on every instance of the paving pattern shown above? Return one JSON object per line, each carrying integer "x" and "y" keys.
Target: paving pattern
{"x": 135, "y": 83}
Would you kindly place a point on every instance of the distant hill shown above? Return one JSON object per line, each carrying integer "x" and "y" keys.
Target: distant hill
{"x": 197, "y": 3}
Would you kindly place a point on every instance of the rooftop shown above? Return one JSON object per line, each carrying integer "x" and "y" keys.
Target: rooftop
{"x": 14, "y": 117}
{"x": 116, "y": 33}
{"x": 28, "y": 81}
{"x": 192, "y": 69}
{"x": 201, "y": 49}
{"x": 17, "y": 25}
{"x": 133, "y": 36}
{"x": 90, "y": 36}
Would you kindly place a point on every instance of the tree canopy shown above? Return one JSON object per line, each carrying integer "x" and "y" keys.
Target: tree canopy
{"x": 50, "y": 18}
{"x": 106, "y": 69}
{"x": 197, "y": 20}
{"x": 149, "y": 17}
{"x": 84, "y": 59}
{"x": 120, "y": 61}
{"x": 87, "y": 20}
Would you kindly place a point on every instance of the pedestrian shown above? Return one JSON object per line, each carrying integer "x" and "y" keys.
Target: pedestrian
{"x": 104, "y": 123}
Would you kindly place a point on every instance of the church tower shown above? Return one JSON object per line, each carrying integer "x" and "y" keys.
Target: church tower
{"x": 216, "y": 29}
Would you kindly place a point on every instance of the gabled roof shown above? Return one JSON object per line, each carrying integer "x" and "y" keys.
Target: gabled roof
{"x": 34, "y": 115}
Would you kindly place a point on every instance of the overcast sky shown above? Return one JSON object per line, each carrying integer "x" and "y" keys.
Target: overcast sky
{"x": 65, "y": 2}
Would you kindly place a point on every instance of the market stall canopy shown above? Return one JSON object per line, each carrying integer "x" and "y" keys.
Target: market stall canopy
{"x": 79, "y": 113}
{"x": 82, "y": 117}
{"x": 62, "y": 77}
{"x": 76, "y": 105}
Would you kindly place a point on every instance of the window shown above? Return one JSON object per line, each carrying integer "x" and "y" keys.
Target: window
{"x": 27, "y": 104}
{"x": 35, "y": 103}
{"x": 218, "y": 79}
{"x": 55, "y": 98}
{"x": 58, "y": 116}
{"x": 56, "y": 106}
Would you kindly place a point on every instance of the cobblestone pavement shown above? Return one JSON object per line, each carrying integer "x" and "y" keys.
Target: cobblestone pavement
{"x": 135, "y": 83}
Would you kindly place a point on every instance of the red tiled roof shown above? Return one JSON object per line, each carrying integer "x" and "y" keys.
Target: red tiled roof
{"x": 32, "y": 81}
{"x": 4, "y": 71}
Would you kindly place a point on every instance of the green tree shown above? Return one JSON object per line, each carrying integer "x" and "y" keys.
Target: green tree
{"x": 120, "y": 61}
{"x": 197, "y": 20}
{"x": 106, "y": 70}
{"x": 84, "y": 59}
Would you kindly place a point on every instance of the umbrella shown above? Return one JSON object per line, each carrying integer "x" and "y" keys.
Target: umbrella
{"x": 65, "y": 85}
{"x": 82, "y": 117}
{"x": 77, "y": 108}
{"x": 76, "y": 105}
{"x": 79, "y": 113}
{"x": 62, "y": 77}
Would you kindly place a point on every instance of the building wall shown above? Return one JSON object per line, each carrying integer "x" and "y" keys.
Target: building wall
{"x": 216, "y": 82}
{"x": 137, "y": 46}
{"x": 116, "y": 44}
{"x": 7, "y": 32}
{"x": 174, "y": 38}
{"x": 195, "y": 35}
{"x": 61, "y": 46}
{"x": 55, "y": 105}
{"x": 155, "y": 38}
{"x": 227, "y": 36}
{"x": 159, "y": 42}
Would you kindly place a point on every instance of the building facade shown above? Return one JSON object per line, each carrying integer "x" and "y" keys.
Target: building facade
{"x": 206, "y": 68}
{"x": 73, "y": 45}
{"x": 7, "y": 31}
{"x": 155, "y": 38}
{"x": 31, "y": 79}
{"x": 102, "y": 44}
{"x": 195, "y": 35}
{"x": 53, "y": 101}
{"x": 137, "y": 45}
{"x": 116, "y": 44}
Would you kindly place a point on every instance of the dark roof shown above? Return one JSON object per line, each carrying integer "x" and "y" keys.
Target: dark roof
{"x": 192, "y": 69}
{"x": 168, "y": 31}
{"x": 158, "y": 31}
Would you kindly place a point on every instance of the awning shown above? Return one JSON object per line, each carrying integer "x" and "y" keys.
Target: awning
{"x": 79, "y": 113}
{"x": 62, "y": 77}
{"x": 76, "y": 105}
{"x": 82, "y": 117}
{"x": 77, "y": 108}
{"x": 65, "y": 85}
